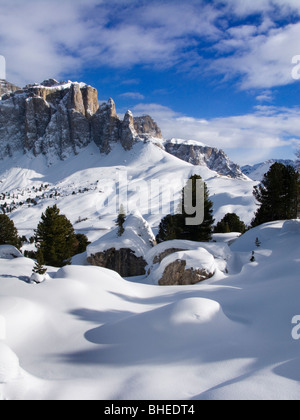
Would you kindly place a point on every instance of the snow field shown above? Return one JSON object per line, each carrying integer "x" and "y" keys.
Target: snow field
{"x": 86, "y": 333}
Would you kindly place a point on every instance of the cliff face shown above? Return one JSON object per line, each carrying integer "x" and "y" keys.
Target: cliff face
{"x": 6, "y": 87}
{"x": 198, "y": 154}
{"x": 58, "y": 119}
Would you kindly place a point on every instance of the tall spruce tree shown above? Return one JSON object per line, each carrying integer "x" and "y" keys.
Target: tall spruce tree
{"x": 8, "y": 232}
{"x": 175, "y": 226}
{"x": 55, "y": 238}
{"x": 277, "y": 195}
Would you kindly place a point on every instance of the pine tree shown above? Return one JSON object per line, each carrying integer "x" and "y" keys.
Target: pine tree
{"x": 230, "y": 223}
{"x": 278, "y": 195}
{"x": 8, "y": 232}
{"x": 175, "y": 226}
{"x": 121, "y": 220}
{"x": 39, "y": 267}
{"x": 55, "y": 238}
{"x": 257, "y": 243}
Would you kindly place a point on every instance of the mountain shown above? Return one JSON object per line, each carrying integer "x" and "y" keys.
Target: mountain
{"x": 7, "y": 88}
{"x": 200, "y": 154}
{"x": 257, "y": 172}
{"x": 58, "y": 119}
{"x": 59, "y": 145}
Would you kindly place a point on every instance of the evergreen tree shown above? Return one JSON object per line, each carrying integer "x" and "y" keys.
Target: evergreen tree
{"x": 277, "y": 195}
{"x": 121, "y": 220}
{"x": 56, "y": 238}
{"x": 175, "y": 226}
{"x": 39, "y": 267}
{"x": 230, "y": 223}
{"x": 8, "y": 232}
{"x": 170, "y": 228}
{"x": 81, "y": 243}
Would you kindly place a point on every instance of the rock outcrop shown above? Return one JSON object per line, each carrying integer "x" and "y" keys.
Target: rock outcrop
{"x": 6, "y": 87}
{"x": 198, "y": 154}
{"x": 57, "y": 119}
{"x": 146, "y": 127}
{"x": 177, "y": 274}
{"x": 123, "y": 261}
{"x": 124, "y": 254}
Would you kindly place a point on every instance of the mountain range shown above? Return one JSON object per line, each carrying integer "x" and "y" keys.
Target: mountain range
{"x": 57, "y": 142}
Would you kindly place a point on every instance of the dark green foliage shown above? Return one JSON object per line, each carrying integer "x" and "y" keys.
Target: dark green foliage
{"x": 230, "y": 223}
{"x": 55, "y": 238}
{"x": 121, "y": 220}
{"x": 277, "y": 195}
{"x": 175, "y": 227}
{"x": 39, "y": 267}
{"x": 8, "y": 232}
{"x": 82, "y": 243}
{"x": 170, "y": 228}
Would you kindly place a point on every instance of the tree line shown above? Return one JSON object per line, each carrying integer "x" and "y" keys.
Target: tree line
{"x": 278, "y": 198}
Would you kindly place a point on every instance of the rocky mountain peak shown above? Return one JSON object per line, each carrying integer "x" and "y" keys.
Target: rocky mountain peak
{"x": 7, "y": 88}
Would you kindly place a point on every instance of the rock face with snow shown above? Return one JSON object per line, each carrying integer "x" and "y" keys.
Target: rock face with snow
{"x": 125, "y": 254}
{"x": 58, "y": 119}
{"x": 6, "y": 87}
{"x": 145, "y": 126}
{"x": 199, "y": 154}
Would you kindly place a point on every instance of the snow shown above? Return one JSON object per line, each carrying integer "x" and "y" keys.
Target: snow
{"x": 9, "y": 252}
{"x": 86, "y": 186}
{"x": 137, "y": 236}
{"x": 86, "y": 333}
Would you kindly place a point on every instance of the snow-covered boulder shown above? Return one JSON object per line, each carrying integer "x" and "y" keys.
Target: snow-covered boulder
{"x": 9, "y": 252}
{"x": 124, "y": 254}
{"x": 185, "y": 267}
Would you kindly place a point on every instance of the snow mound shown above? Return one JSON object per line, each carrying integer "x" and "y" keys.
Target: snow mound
{"x": 8, "y": 252}
{"x": 196, "y": 310}
{"x": 9, "y": 364}
{"x": 291, "y": 226}
{"x": 138, "y": 237}
{"x": 199, "y": 259}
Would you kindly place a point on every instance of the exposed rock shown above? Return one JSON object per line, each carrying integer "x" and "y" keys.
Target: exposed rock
{"x": 146, "y": 127}
{"x": 7, "y": 88}
{"x": 124, "y": 254}
{"x": 158, "y": 258}
{"x": 123, "y": 261}
{"x": 106, "y": 126}
{"x": 176, "y": 274}
{"x": 198, "y": 154}
{"x": 128, "y": 133}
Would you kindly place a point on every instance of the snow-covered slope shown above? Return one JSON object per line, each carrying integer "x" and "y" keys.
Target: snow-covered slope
{"x": 90, "y": 187}
{"x": 88, "y": 334}
{"x": 257, "y": 172}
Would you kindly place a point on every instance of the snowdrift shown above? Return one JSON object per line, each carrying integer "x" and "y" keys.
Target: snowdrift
{"x": 86, "y": 333}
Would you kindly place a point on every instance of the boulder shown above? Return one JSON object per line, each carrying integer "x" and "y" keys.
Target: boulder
{"x": 124, "y": 254}
{"x": 123, "y": 261}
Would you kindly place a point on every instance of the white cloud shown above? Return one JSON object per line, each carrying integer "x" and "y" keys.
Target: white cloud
{"x": 247, "y": 138}
{"x": 132, "y": 95}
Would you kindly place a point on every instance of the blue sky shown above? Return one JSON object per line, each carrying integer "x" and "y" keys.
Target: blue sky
{"x": 221, "y": 72}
